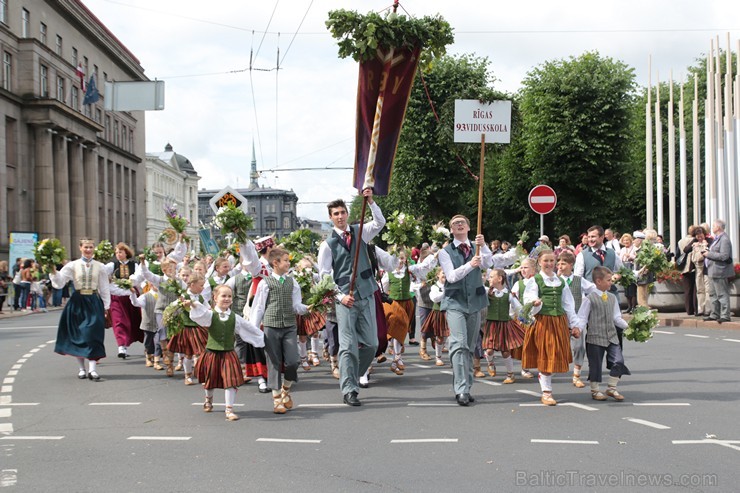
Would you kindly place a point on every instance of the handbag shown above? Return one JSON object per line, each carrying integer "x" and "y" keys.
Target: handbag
{"x": 681, "y": 261}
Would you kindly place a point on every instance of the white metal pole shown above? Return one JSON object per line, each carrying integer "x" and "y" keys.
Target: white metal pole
{"x": 671, "y": 171}
{"x": 659, "y": 158}
{"x": 682, "y": 167}
{"x": 649, "y": 206}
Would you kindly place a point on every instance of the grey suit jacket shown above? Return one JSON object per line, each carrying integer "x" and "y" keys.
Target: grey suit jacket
{"x": 720, "y": 257}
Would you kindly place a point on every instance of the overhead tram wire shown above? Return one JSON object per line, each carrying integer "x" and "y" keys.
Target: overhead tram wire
{"x": 295, "y": 34}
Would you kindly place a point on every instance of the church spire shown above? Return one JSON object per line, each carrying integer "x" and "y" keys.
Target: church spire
{"x": 253, "y": 175}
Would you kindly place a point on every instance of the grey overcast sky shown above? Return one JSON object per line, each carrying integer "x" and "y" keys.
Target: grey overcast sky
{"x": 303, "y": 115}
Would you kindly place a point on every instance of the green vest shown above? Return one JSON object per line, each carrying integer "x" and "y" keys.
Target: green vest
{"x": 279, "y": 304}
{"x": 221, "y": 333}
{"x": 242, "y": 284}
{"x": 399, "y": 288}
{"x": 342, "y": 258}
{"x": 467, "y": 295}
{"x": 552, "y": 297}
{"x": 498, "y": 308}
{"x": 185, "y": 315}
{"x": 213, "y": 282}
{"x": 521, "y": 286}
{"x": 575, "y": 288}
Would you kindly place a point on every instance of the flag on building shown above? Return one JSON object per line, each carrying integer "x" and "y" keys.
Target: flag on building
{"x": 80, "y": 72}
{"x": 383, "y": 92}
{"x": 91, "y": 94}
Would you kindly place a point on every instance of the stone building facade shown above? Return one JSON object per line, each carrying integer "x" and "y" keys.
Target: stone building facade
{"x": 67, "y": 170}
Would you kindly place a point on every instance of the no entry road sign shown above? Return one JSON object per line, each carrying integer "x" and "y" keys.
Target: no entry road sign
{"x": 542, "y": 199}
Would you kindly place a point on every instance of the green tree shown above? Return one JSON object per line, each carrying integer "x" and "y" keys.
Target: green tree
{"x": 576, "y": 117}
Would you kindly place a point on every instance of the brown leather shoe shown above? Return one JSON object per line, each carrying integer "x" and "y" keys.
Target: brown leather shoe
{"x": 578, "y": 382}
{"x": 548, "y": 400}
{"x": 598, "y": 396}
{"x": 612, "y": 392}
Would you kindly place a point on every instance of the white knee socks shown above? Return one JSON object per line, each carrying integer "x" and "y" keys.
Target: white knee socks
{"x": 81, "y": 362}
{"x": 438, "y": 351}
{"x": 229, "y": 396}
{"x": 187, "y": 365}
{"x": 509, "y": 363}
{"x": 302, "y": 350}
{"x": 93, "y": 365}
{"x": 316, "y": 345}
{"x": 397, "y": 347}
{"x": 545, "y": 382}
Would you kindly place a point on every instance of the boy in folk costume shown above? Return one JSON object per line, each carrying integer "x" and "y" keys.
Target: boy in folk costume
{"x": 82, "y": 325}
{"x": 126, "y": 318}
{"x": 546, "y": 344}
{"x": 275, "y": 305}
{"x": 192, "y": 340}
{"x": 146, "y": 302}
{"x": 579, "y": 288}
{"x": 256, "y": 365}
{"x": 218, "y": 367}
{"x": 600, "y": 310}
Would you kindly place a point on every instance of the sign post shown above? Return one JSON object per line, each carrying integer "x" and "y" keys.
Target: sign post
{"x": 542, "y": 200}
{"x": 474, "y": 121}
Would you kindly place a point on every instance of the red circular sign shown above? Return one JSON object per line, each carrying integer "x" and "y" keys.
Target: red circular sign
{"x": 542, "y": 199}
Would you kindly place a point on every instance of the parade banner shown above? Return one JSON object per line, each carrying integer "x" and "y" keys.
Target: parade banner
{"x": 383, "y": 92}
{"x": 208, "y": 244}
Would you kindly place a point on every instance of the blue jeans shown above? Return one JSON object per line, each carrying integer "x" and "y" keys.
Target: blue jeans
{"x": 23, "y": 297}
{"x": 56, "y": 297}
{"x": 41, "y": 301}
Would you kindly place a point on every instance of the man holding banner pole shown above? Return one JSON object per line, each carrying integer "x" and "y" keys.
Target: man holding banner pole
{"x": 358, "y": 339}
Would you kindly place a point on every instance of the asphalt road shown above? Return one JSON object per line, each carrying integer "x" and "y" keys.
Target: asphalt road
{"x": 138, "y": 430}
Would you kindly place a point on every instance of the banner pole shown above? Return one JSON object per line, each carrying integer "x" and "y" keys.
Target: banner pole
{"x": 480, "y": 187}
{"x": 357, "y": 248}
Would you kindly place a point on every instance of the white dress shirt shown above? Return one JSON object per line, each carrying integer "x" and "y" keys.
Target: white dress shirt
{"x": 455, "y": 275}
{"x": 202, "y": 315}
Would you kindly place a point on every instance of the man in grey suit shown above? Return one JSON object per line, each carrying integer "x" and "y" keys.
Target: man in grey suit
{"x": 718, "y": 259}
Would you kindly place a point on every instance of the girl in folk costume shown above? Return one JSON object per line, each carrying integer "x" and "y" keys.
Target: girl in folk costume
{"x": 199, "y": 267}
{"x": 170, "y": 288}
{"x": 256, "y": 365}
{"x": 191, "y": 341}
{"x": 223, "y": 272}
{"x": 310, "y": 324}
{"x": 177, "y": 254}
{"x": 125, "y": 316}
{"x": 82, "y": 324}
{"x": 527, "y": 270}
{"x": 218, "y": 367}
{"x": 547, "y": 343}
{"x": 147, "y": 302}
{"x": 436, "y": 322}
{"x": 397, "y": 283}
{"x": 502, "y": 333}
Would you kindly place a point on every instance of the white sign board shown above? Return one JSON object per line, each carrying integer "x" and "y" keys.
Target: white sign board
{"x": 226, "y": 196}
{"x": 134, "y": 95}
{"x": 473, "y": 118}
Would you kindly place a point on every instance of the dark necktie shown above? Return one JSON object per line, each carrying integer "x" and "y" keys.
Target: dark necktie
{"x": 347, "y": 238}
{"x": 464, "y": 249}
{"x": 601, "y": 255}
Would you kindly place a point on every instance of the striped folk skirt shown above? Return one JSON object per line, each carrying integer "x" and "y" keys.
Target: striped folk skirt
{"x": 436, "y": 323}
{"x": 547, "y": 345}
{"x": 189, "y": 341}
{"x": 503, "y": 335}
{"x": 219, "y": 370}
{"x": 310, "y": 323}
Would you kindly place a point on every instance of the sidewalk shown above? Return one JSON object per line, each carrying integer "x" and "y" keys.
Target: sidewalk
{"x": 9, "y": 313}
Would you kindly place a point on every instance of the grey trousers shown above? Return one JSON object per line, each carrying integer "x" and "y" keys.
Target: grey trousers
{"x": 281, "y": 348}
{"x": 578, "y": 348}
{"x": 464, "y": 329}
{"x": 719, "y": 298}
{"x": 358, "y": 341}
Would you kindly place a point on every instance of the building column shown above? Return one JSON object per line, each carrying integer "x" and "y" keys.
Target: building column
{"x": 44, "y": 202}
{"x": 90, "y": 183}
{"x": 61, "y": 195}
{"x": 104, "y": 201}
{"x": 77, "y": 193}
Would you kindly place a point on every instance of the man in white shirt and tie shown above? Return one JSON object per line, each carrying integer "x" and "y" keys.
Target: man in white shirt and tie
{"x": 358, "y": 338}
{"x": 464, "y": 298}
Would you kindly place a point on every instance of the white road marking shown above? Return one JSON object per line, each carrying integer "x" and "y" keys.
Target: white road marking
{"x": 286, "y": 440}
{"x": 6, "y": 428}
{"x": 662, "y": 332}
{"x": 572, "y": 442}
{"x": 114, "y": 403}
{"x": 12, "y": 373}
{"x": 427, "y": 440}
{"x": 322, "y": 405}
{"x": 21, "y": 403}
{"x": 18, "y": 437}
{"x": 34, "y": 350}
{"x": 215, "y": 404}
{"x": 446, "y": 372}
{"x": 22, "y": 360}
{"x": 53, "y": 340}
{"x": 731, "y": 340}
{"x": 16, "y": 367}
{"x": 488, "y": 382}
{"x": 579, "y": 406}
{"x": 42, "y": 346}
{"x": 159, "y": 438}
{"x": 6, "y": 389}
{"x": 529, "y": 392}
{"x": 431, "y": 404}
{"x": 657, "y": 426}
{"x": 9, "y": 380}
{"x": 532, "y": 404}
{"x": 5, "y": 412}
{"x": 423, "y": 366}
{"x": 5, "y": 399}
{"x": 28, "y": 355}
{"x": 8, "y": 477}
{"x": 661, "y": 404}
{"x": 697, "y": 336}
{"x": 723, "y": 443}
